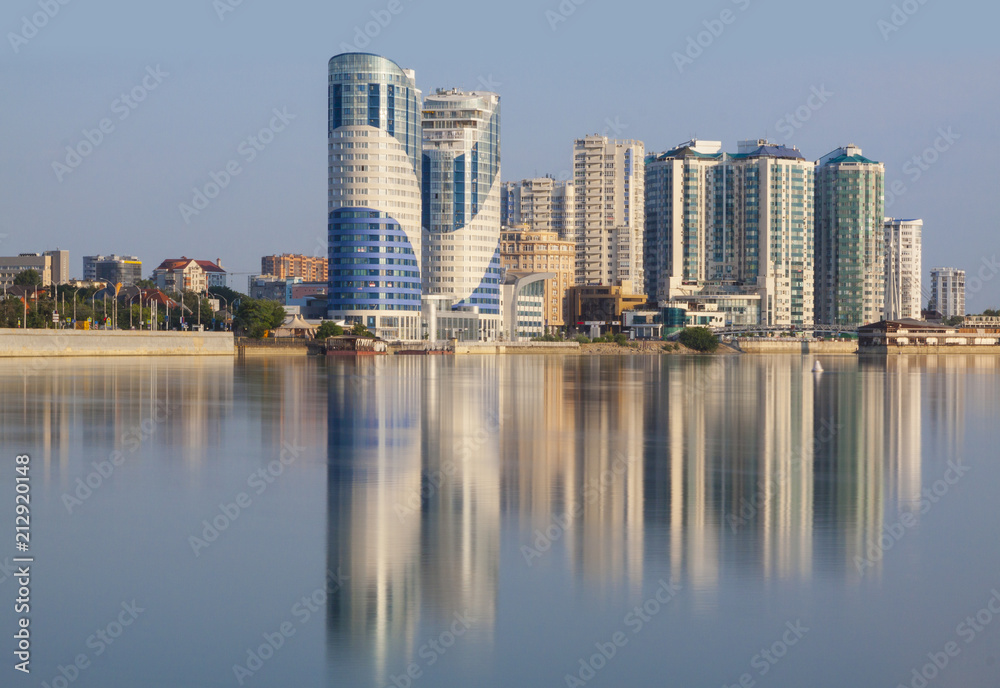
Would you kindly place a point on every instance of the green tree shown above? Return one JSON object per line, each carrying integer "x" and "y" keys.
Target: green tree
{"x": 28, "y": 278}
{"x": 329, "y": 329}
{"x": 230, "y": 295}
{"x": 360, "y": 330}
{"x": 954, "y": 320}
{"x": 145, "y": 284}
{"x": 256, "y": 317}
{"x": 621, "y": 339}
{"x": 699, "y": 339}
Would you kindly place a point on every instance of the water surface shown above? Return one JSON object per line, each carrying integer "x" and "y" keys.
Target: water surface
{"x": 508, "y": 521}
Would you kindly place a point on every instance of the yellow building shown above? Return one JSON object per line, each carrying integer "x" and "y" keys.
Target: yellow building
{"x": 595, "y": 303}
{"x": 525, "y": 250}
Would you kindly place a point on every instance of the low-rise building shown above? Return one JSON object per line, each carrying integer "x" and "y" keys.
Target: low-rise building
{"x": 187, "y": 274}
{"x": 114, "y": 268}
{"x": 893, "y": 336}
{"x": 524, "y": 305}
{"x": 603, "y": 304}
{"x": 51, "y": 266}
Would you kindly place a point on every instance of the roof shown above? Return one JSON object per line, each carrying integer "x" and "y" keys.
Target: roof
{"x": 183, "y": 262}
{"x": 770, "y": 151}
{"x": 209, "y": 266}
{"x": 851, "y": 158}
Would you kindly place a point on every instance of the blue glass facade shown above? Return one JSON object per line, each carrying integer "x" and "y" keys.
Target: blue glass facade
{"x": 372, "y": 264}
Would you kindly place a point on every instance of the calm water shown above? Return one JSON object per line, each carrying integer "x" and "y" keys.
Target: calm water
{"x": 503, "y": 521}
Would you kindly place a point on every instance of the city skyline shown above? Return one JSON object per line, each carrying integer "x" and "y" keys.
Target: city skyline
{"x": 125, "y": 195}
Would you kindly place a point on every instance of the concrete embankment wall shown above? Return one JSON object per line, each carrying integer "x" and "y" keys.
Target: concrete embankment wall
{"x": 763, "y": 346}
{"x": 518, "y": 348}
{"x": 59, "y": 343}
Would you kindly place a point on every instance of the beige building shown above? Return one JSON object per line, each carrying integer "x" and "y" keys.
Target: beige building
{"x": 51, "y": 266}
{"x": 609, "y": 180}
{"x": 526, "y": 250}
{"x": 309, "y": 268}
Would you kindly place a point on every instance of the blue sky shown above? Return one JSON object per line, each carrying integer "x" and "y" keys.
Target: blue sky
{"x": 563, "y": 70}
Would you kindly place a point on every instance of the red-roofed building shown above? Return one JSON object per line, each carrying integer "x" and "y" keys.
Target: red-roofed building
{"x": 187, "y": 274}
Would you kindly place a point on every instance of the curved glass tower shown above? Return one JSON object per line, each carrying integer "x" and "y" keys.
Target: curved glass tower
{"x": 461, "y": 212}
{"x": 374, "y": 195}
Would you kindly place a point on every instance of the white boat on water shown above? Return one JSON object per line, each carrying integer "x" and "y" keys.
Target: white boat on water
{"x": 817, "y": 367}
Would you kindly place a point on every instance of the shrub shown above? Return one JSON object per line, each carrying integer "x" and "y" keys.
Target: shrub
{"x": 621, "y": 339}
{"x": 582, "y": 339}
{"x": 699, "y": 339}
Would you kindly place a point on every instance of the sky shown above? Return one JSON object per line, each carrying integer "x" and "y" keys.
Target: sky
{"x": 185, "y": 89}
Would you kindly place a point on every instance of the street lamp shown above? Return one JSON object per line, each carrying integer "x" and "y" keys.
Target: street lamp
{"x": 227, "y": 308}
{"x": 130, "y": 300}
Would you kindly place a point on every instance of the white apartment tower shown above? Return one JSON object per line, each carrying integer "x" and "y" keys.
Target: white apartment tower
{"x": 544, "y": 204}
{"x": 610, "y": 223}
{"x": 948, "y": 292}
{"x": 461, "y": 203}
{"x": 903, "y": 269}
{"x": 733, "y": 229}
{"x": 680, "y": 217}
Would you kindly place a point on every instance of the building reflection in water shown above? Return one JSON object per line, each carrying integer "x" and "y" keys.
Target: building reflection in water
{"x": 115, "y": 402}
{"x": 414, "y": 501}
{"x": 694, "y": 469}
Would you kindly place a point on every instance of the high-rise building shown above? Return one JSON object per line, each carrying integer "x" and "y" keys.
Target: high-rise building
{"x": 374, "y": 202}
{"x": 544, "y": 204}
{"x": 735, "y": 230}
{"x": 948, "y": 292}
{"x": 850, "y": 239}
{"x": 309, "y": 268}
{"x": 903, "y": 269}
{"x": 680, "y": 217}
{"x": 609, "y": 182}
{"x": 525, "y": 250}
{"x": 461, "y": 203}
{"x": 113, "y": 268}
